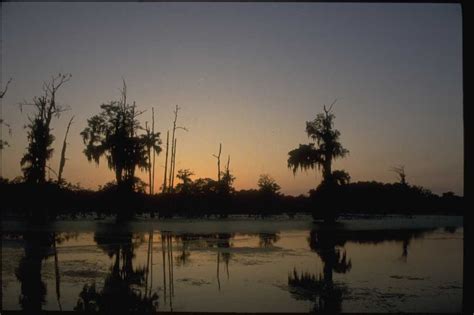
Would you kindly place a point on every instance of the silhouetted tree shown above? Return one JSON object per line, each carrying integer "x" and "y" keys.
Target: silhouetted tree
{"x": 321, "y": 155}
{"x": 218, "y": 157}
{"x": 2, "y": 122}
{"x": 400, "y": 171}
{"x": 173, "y": 148}
{"x": 113, "y": 134}
{"x": 205, "y": 186}
{"x": 2, "y": 93}
{"x": 309, "y": 156}
{"x": 185, "y": 176}
{"x": 341, "y": 177}
{"x": 268, "y": 196}
{"x": 4, "y": 143}
{"x": 154, "y": 151}
{"x": 40, "y": 139}
{"x": 267, "y": 184}
{"x": 227, "y": 179}
{"x": 166, "y": 162}
{"x": 63, "y": 153}
{"x": 152, "y": 143}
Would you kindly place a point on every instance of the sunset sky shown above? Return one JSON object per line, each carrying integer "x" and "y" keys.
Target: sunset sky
{"x": 249, "y": 75}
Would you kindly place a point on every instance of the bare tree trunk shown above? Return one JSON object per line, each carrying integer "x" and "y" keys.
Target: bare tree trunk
{"x": 153, "y": 164}
{"x": 218, "y": 157}
{"x": 149, "y": 148}
{"x": 63, "y": 152}
{"x": 171, "y": 165}
{"x": 174, "y": 162}
{"x": 166, "y": 160}
{"x": 150, "y": 184}
{"x": 173, "y": 149}
{"x": 327, "y": 168}
{"x": 172, "y": 145}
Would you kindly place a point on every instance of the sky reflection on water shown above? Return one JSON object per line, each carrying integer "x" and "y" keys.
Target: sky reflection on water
{"x": 310, "y": 267}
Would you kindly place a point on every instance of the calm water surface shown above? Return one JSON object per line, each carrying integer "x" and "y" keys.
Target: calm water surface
{"x": 394, "y": 264}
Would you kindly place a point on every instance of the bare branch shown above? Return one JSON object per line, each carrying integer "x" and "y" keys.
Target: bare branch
{"x": 330, "y": 107}
{"x": 400, "y": 171}
{"x": 6, "y": 88}
{"x": 218, "y": 157}
{"x": 327, "y": 111}
{"x": 25, "y": 103}
{"x": 63, "y": 78}
{"x": 47, "y": 166}
{"x": 183, "y": 128}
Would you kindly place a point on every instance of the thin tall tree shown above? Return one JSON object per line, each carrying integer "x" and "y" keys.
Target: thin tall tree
{"x": 154, "y": 152}
{"x": 63, "y": 153}
{"x": 152, "y": 142}
{"x": 173, "y": 165}
{"x": 166, "y": 161}
{"x": 218, "y": 157}
{"x": 173, "y": 148}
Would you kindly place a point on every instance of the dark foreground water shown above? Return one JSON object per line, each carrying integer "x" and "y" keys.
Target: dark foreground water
{"x": 393, "y": 264}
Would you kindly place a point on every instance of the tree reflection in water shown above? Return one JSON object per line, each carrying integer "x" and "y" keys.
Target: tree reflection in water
{"x": 183, "y": 257}
{"x": 326, "y": 295}
{"x": 121, "y": 290}
{"x": 267, "y": 240}
{"x": 38, "y": 246}
{"x": 223, "y": 242}
{"x": 328, "y": 240}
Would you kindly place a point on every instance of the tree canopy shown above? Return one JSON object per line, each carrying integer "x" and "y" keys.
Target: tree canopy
{"x": 40, "y": 139}
{"x": 186, "y": 182}
{"x": 113, "y": 133}
{"x": 267, "y": 184}
{"x": 320, "y": 153}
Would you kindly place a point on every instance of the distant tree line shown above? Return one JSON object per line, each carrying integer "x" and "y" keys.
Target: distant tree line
{"x": 204, "y": 200}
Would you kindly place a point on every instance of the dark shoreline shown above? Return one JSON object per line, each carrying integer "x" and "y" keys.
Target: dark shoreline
{"x": 355, "y": 199}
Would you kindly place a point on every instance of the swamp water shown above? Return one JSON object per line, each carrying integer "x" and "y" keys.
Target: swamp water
{"x": 389, "y": 264}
